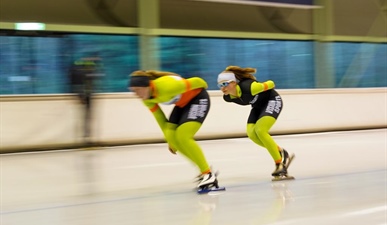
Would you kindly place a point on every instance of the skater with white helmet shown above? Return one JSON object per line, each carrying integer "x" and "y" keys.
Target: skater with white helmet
{"x": 241, "y": 87}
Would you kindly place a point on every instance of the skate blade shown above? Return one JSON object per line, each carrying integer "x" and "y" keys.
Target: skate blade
{"x": 290, "y": 159}
{"x": 210, "y": 190}
{"x": 279, "y": 178}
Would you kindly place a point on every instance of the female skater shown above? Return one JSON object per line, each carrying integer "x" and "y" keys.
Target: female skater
{"x": 241, "y": 87}
{"x": 192, "y": 104}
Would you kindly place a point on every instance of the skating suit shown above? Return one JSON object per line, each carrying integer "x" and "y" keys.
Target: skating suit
{"x": 189, "y": 96}
{"x": 265, "y": 101}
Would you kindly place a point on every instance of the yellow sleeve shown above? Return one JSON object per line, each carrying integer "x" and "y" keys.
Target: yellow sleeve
{"x": 196, "y": 82}
{"x": 166, "y": 88}
{"x": 157, "y": 113}
{"x": 169, "y": 86}
{"x": 258, "y": 87}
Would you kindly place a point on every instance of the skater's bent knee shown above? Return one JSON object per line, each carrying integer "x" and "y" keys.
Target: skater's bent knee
{"x": 261, "y": 132}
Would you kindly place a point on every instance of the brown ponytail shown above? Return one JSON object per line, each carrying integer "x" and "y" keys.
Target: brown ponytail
{"x": 242, "y": 73}
{"x": 152, "y": 74}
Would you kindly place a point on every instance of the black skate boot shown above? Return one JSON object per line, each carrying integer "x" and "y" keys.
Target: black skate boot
{"x": 285, "y": 157}
{"x": 281, "y": 172}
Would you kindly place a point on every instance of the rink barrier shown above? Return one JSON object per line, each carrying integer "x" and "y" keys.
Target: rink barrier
{"x": 47, "y": 122}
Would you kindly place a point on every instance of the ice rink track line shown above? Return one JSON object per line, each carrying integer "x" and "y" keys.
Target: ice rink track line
{"x": 154, "y": 193}
{"x": 204, "y": 140}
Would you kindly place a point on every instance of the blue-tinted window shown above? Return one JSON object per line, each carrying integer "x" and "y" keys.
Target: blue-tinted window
{"x": 31, "y": 65}
{"x": 288, "y": 63}
{"x": 360, "y": 64}
{"x": 39, "y": 65}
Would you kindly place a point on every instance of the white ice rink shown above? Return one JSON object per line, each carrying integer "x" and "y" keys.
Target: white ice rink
{"x": 341, "y": 178}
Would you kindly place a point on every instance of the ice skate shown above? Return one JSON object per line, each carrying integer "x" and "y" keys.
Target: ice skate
{"x": 281, "y": 170}
{"x": 287, "y": 159}
{"x": 208, "y": 183}
{"x": 280, "y": 173}
{"x": 199, "y": 177}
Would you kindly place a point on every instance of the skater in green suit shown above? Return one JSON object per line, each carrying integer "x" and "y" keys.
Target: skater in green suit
{"x": 241, "y": 87}
{"x": 192, "y": 104}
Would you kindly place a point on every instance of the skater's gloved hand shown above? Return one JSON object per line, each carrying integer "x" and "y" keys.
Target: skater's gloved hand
{"x": 172, "y": 150}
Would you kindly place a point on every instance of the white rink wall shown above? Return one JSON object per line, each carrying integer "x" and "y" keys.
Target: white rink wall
{"x": 54, "y": 121}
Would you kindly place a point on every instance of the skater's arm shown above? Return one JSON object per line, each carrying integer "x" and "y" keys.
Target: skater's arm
{"x": 196, "y": 82}
{"x": 258, "y": 87}
{"x": 227, "y": 98}
{"x": 158, "y": 114}
{"x": 164, "y": 125}
{"x": 170, "y": 86}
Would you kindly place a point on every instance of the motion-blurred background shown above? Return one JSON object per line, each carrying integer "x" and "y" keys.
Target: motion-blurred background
{"x": 64, "y": 67}
{"x": 309, "y": 48}
{"x": 311, "y": 44}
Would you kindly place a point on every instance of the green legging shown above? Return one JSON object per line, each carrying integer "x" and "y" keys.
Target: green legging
{"x": 259, "y": 134}
{"x": 181, "y": 139}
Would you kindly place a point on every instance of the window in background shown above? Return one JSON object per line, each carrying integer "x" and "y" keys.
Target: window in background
{"x": 30, "y": 65}
{"x": 360, "y": 64}
{"x": 119, "y": 54}
{"x": 39, "y": 65}
{"x": 289, "y": 63}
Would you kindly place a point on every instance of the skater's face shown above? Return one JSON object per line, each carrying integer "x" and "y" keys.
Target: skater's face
{"x": 141, "y": 92}
{"x": 227, "y": 87}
